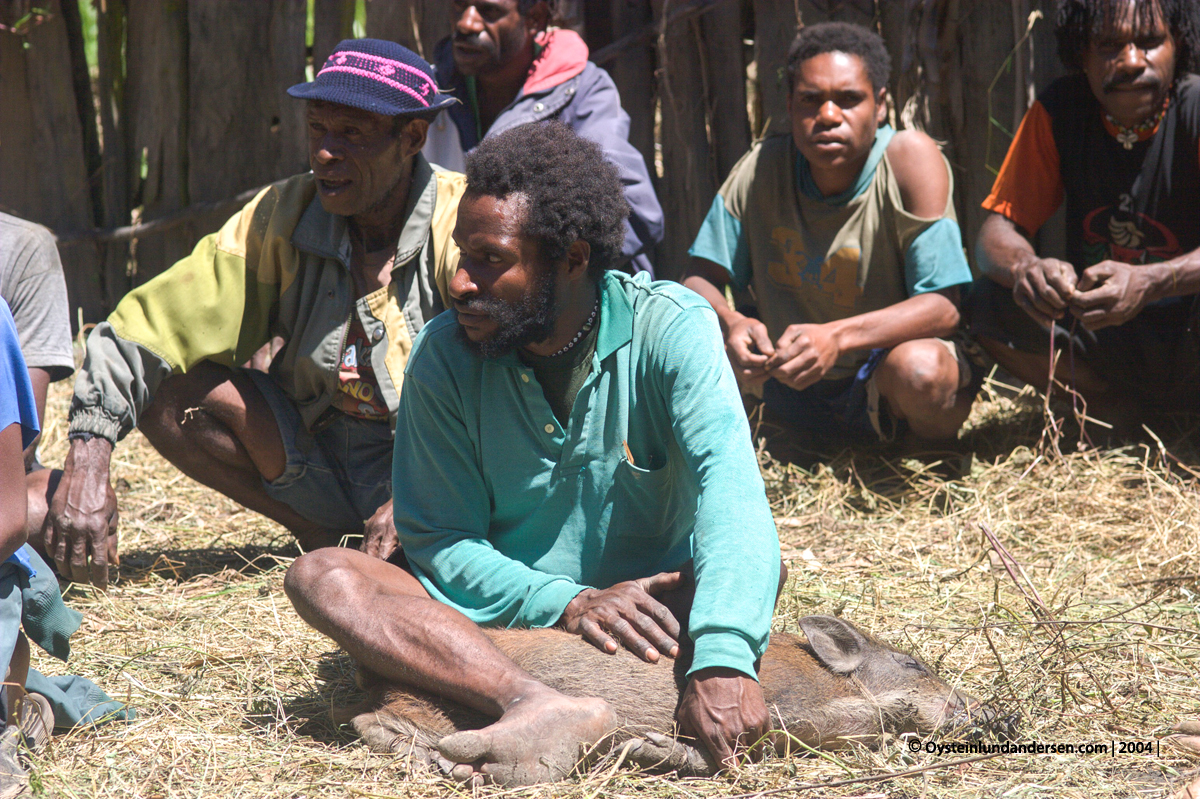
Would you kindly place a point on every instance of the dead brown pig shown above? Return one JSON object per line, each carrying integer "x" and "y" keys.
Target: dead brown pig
{"x": 840, "y": 685}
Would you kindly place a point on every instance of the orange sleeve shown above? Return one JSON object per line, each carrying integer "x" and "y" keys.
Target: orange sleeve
{"x": 1029, "y": 188}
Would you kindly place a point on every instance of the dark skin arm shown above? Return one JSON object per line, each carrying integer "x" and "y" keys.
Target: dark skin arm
{"x": 83, "y": 515}
{"x": 1106, "y": 294}
{"x": 1042, "y": 287}
{"x": 805, "y": 353}
{"x": 40, "y": 378}
{"x": 13, "y": 507}
{"x": 723, "y": 709}
{"x": 1111, "y": 293}
{"x": 627, "y": 614}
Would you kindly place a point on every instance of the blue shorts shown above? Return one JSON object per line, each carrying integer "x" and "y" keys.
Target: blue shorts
{"x": 835, "y": 411}
{"x": 848, "y": 411}
{"x": 336, "y": 476}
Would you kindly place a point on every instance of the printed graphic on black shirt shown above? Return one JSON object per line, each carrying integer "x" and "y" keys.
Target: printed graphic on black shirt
{"x": 1137, "y": 205}
{"x": 358, "y": 389}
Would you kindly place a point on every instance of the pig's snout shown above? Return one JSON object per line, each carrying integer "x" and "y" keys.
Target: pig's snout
{"x": 970, "y": 718}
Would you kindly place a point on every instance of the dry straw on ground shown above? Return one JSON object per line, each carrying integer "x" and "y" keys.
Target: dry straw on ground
{"x": 1091, "y": 633}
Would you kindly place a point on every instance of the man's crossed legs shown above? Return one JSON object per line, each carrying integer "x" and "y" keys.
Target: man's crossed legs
{"x": 385, "y": 619}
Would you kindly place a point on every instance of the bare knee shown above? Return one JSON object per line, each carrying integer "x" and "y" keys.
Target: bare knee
{"x": 178, "y": 395}
{"x": 920, "y": 382}
{"x": 919, "y": 374}
{"x": 316, "y": 574}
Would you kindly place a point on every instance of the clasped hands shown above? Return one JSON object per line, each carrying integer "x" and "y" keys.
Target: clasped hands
{"x": 1106, "y": 294}
{"x": 721, "y": 708}
{"x": 803, "y": 355}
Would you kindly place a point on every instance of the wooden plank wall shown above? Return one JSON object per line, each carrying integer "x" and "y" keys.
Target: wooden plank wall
{"x": 189, "y": 105}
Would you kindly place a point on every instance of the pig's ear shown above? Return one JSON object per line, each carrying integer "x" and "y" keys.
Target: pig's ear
{"x": 838, "y": 644}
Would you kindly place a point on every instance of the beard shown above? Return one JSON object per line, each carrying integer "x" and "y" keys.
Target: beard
{"x": 529, "y": 320}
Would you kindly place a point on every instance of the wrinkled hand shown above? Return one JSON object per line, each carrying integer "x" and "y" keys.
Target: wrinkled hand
{"x": 81, "y": 532}
{"x": 749, "y": 346}
{"x": 724, "y": 710}
{"x": 803, "y": 355}
{"x": 1043, "y": 288}
{"x": 1110, "y": 293}
{"x": 628, "y": 614}
{"x": 379, "y": 533}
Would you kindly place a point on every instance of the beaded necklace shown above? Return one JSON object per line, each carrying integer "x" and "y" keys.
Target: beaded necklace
{"x": 583, "y": 331}
{"x": 1131, "y": 136}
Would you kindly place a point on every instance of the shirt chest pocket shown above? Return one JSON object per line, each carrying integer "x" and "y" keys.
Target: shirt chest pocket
{"x": 644, "y": 502}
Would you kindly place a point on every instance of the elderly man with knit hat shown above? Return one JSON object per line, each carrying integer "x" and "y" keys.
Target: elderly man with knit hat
{"x": 346, "y": 264}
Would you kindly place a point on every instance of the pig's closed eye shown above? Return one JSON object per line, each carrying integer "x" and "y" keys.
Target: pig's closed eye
{"x": 910, "y": 663}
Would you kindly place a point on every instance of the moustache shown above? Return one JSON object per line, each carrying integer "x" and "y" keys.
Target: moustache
{"x": 485, "y": 306}
{"x": 1139, "y": 81}
{"x": 470, "y": 40}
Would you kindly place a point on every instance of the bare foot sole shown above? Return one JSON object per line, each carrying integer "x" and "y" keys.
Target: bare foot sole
{"x": 539, "y": 739}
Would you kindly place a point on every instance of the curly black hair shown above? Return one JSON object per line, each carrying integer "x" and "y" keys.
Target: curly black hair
{"x": 1079, "y": 20}
{"x": 841, "y": 37}
{"x": 572, "y": 192}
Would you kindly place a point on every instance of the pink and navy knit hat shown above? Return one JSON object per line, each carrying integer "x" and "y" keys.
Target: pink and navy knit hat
{"x": 378, "y": 76}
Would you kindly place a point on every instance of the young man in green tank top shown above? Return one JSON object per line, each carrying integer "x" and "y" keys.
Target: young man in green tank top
{"x": 845, "y": 234}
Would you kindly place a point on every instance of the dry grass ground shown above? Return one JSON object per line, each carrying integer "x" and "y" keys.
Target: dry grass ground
{"x": 233, "y": 690}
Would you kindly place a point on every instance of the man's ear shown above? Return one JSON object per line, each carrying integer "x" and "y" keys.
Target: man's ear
{"x": 412, "y": 137}
{"x": 579, "y": 254}
{"x": 538, "y": 18}
{"x": 881, "y": 110}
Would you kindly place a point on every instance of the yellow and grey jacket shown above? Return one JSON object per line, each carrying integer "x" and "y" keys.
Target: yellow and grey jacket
{"x": 280, "y": 266}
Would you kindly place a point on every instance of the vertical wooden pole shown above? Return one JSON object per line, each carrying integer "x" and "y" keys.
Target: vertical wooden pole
{"x": 775, "y": 25}
{"x": 156, "y": 90}
{"x": 333, "y": 21}
{"x": 688, "y": 179}
{"x": 729, "y": 124}
{"x": 42, "y": 161}
{"x": 435, "y": 24}
{"x": 633, "y": 72}
{"x": 395, "y": 20}
{"x": 110, "y": 41}
{"x": 244, "y": 130}
{"x": 82, "y": 84}
{"x": 417, "y": 24}
{"x": 985, "y": 40}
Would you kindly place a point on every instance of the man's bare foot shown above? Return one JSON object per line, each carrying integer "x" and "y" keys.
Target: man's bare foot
{"x": 539, "y": 739}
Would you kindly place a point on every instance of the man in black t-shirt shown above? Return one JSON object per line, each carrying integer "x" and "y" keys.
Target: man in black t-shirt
{"x": 1120, "y": 141}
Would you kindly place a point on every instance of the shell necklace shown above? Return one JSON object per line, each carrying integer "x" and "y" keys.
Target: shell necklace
{"x": 583, "y": 331}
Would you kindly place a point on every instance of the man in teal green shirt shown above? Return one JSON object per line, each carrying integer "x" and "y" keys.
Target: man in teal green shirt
{"x": 573, "y": 452}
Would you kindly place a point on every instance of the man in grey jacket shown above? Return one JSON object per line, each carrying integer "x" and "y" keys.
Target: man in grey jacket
{"x": 509, "y": 68}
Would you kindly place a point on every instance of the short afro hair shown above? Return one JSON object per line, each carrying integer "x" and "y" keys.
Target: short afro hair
{"x": 572, "y": 192}
{"x": 1079, "y": 20}
{"x": 841, "y": 37}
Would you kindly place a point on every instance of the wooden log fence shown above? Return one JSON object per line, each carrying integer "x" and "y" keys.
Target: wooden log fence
{"x": 134, "y": 153}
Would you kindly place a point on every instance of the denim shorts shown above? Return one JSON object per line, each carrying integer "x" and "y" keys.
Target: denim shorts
{"x": 848, "y": 411}
{"x": 336, "y": 476}
{"x": 835, "y": 411}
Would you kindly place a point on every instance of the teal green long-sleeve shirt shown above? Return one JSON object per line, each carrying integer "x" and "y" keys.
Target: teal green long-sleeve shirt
{"x": 506, "y": 516}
